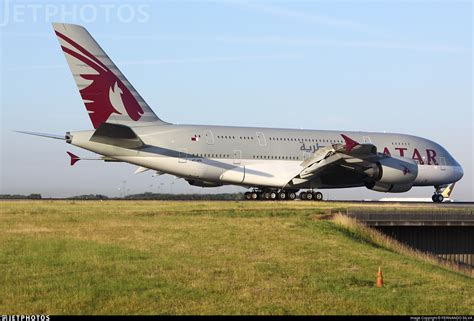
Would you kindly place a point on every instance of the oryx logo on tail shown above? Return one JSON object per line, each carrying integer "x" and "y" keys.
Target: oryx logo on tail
{"x": 106, "y": 94}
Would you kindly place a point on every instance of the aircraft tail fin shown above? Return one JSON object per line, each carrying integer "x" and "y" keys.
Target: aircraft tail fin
{"x": 107, "y": 95}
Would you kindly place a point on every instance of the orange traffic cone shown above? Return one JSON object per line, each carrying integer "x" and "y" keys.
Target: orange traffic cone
{"x": 379, "y": 278}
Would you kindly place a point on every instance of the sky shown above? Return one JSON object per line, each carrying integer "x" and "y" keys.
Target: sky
{"x": 387, "y": 66}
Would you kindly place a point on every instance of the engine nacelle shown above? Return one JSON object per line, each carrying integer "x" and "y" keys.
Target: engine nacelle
{"x": 393, "y": 174}
{"x": 195, "y": 182}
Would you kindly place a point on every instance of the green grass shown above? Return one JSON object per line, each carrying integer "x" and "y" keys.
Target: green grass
{"x": 160, "y": 257}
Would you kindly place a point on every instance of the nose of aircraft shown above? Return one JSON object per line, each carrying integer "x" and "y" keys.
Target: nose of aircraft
{"x": 458, "y": 172}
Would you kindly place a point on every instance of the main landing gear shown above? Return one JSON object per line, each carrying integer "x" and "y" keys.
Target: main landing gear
{"x": 310, "y": 196}
{"x": 282, "y": 195}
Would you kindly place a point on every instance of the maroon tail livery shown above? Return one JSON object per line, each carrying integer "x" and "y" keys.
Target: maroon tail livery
{"x": 106, "y": 93}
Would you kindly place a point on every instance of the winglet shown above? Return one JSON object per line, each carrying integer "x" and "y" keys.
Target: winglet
{"x": 74, "y": 158}
{"x": 350, "y": 143}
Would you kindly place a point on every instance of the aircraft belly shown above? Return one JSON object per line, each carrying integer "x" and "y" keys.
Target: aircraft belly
{"x": 193, "y": 169}
{"x": 170, "y": 165}
{"x": 276, "y": 174}
{"x": 233, "y": 176}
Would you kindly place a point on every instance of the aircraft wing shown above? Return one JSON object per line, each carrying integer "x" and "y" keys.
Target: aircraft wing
{"x": 351, "y": 157}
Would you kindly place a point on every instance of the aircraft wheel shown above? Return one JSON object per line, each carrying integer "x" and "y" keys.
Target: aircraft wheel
{"x": 303, "y": 196}
{"x": 247, "y": 196}
{"x": 318, "y": 196}
{"x": 282, "y": 195}
{"x": 266, "y": 195}
{"x": 254, "y": 196}
{"x": 273, "y": 196}
{"x": 291, "y": 195}
{"x": 309, "y": 196}
{"x": 439, "y": 198}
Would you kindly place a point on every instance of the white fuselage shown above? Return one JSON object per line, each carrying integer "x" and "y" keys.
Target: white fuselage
{"x": 263, "y": 157}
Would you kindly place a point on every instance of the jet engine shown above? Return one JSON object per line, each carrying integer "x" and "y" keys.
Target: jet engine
{"x": 392, "y": 174}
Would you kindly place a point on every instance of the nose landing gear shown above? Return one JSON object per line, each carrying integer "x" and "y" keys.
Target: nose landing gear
{"x": 442, "y": 193}
{"x": 437, "y": 198}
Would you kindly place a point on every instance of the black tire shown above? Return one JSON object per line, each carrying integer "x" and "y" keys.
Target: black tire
{"x": 254, "y": 196}
{"x": 303, "y": 196}
{"x": 273, "y": 196}
{"x": 291, "y": 195}
{"x": 434, "y": 198}
{"x": 282, "y": 196}
{"x": 309, "y": 196}
{"x": 247, "y": 196}
{"x": 440, "y": 198}
{"x": 318, "y": 196}
{"x": 266, "y": 195}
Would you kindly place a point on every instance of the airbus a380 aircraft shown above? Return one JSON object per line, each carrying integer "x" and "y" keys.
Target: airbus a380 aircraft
{"x": 274, "y": 163}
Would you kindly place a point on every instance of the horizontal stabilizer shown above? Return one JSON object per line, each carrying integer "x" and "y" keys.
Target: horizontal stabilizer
{"x": 116, "y": 135}
{"x": 75, "y": 158}
{"x": 53, "y": 136}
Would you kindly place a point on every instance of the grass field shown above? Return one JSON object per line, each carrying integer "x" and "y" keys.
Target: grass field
{"x": 160, "y": 257}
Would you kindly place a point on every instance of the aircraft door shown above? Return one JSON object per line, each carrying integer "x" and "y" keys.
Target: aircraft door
{"x": 209, "y": 137}
{"x": 237, "y": 156}
{"x": 442, "y": 163}
{"x": 261, "y": 139}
